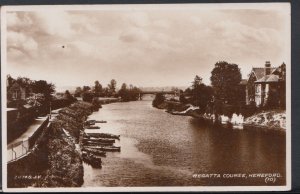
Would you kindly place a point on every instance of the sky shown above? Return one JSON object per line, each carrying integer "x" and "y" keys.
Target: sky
{"x": 157, "y": 45}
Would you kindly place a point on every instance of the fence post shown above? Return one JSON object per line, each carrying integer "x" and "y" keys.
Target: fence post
{"x": 24, "y": 148}
{"x": 13, "y": 152}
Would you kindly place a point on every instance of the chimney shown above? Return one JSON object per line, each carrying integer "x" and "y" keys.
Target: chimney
{"x": 267, "y": 68}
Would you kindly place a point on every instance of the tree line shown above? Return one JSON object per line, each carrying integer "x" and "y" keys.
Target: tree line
{"x": 91, "y": 93}
{"x": 39, "y": 94}
{"x": 224, "y": 96}
{"x": 31, "y": 86}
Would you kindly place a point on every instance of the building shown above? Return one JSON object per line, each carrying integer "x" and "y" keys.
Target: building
{"x": 266, "y": 86}
{"x": 16, "y": 92}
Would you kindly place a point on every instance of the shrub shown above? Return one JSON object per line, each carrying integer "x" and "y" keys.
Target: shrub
{"x": 159, "y": 99}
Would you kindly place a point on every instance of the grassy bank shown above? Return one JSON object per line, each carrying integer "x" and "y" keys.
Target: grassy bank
{"x": 274, "y": 119}
{"x": 65, "y": 161}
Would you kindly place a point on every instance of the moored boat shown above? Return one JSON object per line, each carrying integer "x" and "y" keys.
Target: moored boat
{"x": 94, "y": 161}
{"x": 94, "y": 151}
{"x": 101, "y": 121}
{"x": 96, "y": 143}
{"x": 92, "y": 127}
{"x": 103, "y": 135}
{"x": 106, "y": 148}
{"x": 104, "y": 140}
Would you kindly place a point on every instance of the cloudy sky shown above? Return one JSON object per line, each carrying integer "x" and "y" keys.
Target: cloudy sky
{"x": 143, "y": 45}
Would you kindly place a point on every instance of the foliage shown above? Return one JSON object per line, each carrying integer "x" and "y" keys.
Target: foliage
{"x": 97, "y": 89}
{"x": 182, "y": 99}
{"x": 96, "y": 103}
{"x": 69, "y": 97}
{"x": 78, "y": 92}
{"x": 37, "y": 92}
{"x": 273, "y": 99}
{"x": 201, "y": 94}
{"x": 130, "y": 94}
{"x": 225, "y": 79}
{"x": 197, "y": 82}
{"x": 87, "y": 96}
{"x": 41, "y": 86}
{"x": 159, "y": 99}
{"x": 86, "y": 88}
{"x": 251, "y": 87}
{"x": 112, "y": 87}
{"x": 36, "y": 100}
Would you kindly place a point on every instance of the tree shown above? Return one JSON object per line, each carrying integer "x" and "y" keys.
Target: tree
{"x": 159, "y": 99}
{"x": 201, "y": 94}
{"x": 41, "y": 86}
{"x": 97, "y": 88}
{"x": 105, "y": 91}
{"x": 129, "y": 94}
{"x": 123, "y": 92}
{"x": 78, "y": 92}
{"x": 96, "y": 104}
{"x": 87, "y": 96}
{"x": 86, "y": 88}
{"x": 10, "y": 81}
{"x": 197, "y": 82}
{"x": 134, "y": 93}
{"x": 182, "y": 99}
{"x": 225, "y": 79}
{"x": 273, "y": 99}
{"x": 68, "y": 96}
{"x": 112, "y": 86}
{"x": 188, "y": 91}
{"x": 124, "y": 86}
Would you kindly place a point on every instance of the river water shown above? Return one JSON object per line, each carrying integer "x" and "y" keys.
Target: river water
{"x": 160, "y": 149}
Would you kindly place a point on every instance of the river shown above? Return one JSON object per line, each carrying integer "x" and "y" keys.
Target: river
{"x": 160, "y": 149}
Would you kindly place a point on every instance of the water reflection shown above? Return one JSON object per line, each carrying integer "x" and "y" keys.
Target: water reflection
{"x": 159, "y": 149}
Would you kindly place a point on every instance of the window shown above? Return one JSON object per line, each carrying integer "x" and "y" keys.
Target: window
{"x": 257, "y": 87}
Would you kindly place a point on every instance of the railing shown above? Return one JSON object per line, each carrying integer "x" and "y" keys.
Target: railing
{"x": 37, "y": 133}
{"x": 17, "y": 150}
{"x": 21, "y": 148}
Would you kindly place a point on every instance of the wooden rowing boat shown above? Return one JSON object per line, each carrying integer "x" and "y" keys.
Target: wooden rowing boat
{"x": 94, "y": 151}
{"x": 94, "y": 161}
{"x": 106, "y": 148}
{"x": 104, "y": 140}
{"x": 96, "y": 143}
{"x": 103, "y": 135}
{"x": 92, "y": 127}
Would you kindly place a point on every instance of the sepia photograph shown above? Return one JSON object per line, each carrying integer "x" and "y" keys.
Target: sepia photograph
{"x": 146, "y": 97}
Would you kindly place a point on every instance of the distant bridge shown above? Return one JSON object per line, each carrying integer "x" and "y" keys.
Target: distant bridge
{"x": 155, "y": 92}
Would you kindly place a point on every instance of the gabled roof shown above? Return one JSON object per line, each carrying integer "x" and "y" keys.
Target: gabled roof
{"x": 259, "y": 72}
{"x": 15, "y": 86}
{"x": 268, "y": 78}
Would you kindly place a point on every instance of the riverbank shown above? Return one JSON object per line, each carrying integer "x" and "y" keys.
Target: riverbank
{"x": 64, "y": 158}
{"x": 266, "y": 120}
{"x": 275, "y": 119}
{"x": 151, "y": 154}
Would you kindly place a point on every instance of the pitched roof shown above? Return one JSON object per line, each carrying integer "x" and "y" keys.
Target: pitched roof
{"x": 260, "y": 71}
{"x": 268, "y": 78}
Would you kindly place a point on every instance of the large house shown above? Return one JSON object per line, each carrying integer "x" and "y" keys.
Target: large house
{"x": 266, "y": 85}
{"x": 16, "y": 92}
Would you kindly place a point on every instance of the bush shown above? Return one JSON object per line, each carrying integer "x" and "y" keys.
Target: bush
{"x": 87, "y": 96}
{"x": 159, "y": 99}
{"x": 182, "y": 99}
